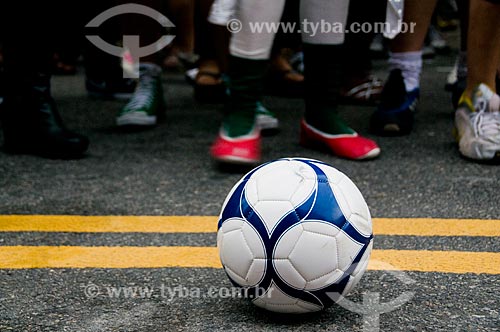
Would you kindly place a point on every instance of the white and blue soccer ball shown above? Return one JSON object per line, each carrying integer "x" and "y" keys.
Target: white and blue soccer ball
{"x": 295, "y": 234}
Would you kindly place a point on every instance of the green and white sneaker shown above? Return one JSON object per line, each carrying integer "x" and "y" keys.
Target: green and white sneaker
{"x": 266, "y": 120}
{"x": 146, "y": 102}
{"x": 477, "y": 124}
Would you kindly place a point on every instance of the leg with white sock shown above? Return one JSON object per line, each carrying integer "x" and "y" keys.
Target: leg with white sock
{"x": 395, "y": 114}
{"x": 322, "y": 126}
{"x": 239, "y": 137}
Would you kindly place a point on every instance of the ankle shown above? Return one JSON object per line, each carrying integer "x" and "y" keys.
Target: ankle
{"x": 328, "y": 122}
{"x": 410, "y": 64}
{"x": 238, "y": 125}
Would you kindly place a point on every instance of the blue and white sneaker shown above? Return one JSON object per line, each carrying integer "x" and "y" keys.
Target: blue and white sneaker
{"x": 395, "y": 114}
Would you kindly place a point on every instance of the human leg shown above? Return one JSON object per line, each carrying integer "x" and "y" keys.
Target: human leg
{"x": 322, "y": 64}
{"x": 239, "y": 137}
{"x": 477, "y": 119}
{"x": 395, "y": 114}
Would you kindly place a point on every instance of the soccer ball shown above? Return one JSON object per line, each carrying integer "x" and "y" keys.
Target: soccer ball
{"x": 295, "y": 234}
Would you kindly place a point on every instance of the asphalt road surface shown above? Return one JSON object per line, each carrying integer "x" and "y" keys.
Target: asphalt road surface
{"x": 167, "y": 172}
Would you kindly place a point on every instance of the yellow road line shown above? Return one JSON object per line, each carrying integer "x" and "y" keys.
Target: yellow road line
{"x": 436, "y": 227}
{"x": 28, "y": 257}
{"x": 108, "y": 224}
{"x": 199, "y": 224}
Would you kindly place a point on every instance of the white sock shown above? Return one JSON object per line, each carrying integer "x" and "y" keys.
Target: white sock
{"x": 410, "y": 64}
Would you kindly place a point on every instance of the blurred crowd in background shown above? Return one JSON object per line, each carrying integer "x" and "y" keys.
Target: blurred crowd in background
{"x": 237, "y": 70}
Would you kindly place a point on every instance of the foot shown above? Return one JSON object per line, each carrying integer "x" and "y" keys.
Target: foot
{"x": 40, "y": 131}
{"x": 349, "y": 146}
{"x": 243, "y": 150}
{"x": 147, "y": 101}
{"x": 477, "y": 122}
{"x": 62, "y": 144}
{"x": 395, "y": 114}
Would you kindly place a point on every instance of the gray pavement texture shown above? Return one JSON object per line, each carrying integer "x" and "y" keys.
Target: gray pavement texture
{"x": 167, "y": 171}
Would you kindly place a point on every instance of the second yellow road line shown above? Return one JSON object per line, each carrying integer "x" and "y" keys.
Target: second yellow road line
{"x": 29, "y": 257}
{"x": 436, "y": 261}
{"x": 34, "y": 257}
{"x": 204, "y": 224}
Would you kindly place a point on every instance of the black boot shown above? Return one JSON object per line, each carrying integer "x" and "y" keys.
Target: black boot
{"x": 246, "y": 90}
{"x": 322, "y": 70}
{"x": 32, "y": 124}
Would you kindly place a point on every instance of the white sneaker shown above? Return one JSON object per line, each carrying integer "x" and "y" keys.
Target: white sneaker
{"x": 478, "y": 125}
{"x": 266, "y": 120}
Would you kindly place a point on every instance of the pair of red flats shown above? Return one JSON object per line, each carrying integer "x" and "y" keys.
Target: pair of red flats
{"x": 246, "y": 149}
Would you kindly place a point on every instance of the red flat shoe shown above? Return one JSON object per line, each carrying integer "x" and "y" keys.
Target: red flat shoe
{"x": 242, "y": 150}
{"x": 347, "y": 146}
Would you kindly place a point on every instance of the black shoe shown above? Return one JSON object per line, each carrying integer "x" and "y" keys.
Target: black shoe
{"x": 395, "y": 114}
{"x": 32, "y": 125}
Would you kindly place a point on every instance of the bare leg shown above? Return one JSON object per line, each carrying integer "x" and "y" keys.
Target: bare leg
{"x": 395, "y": 114}
{"x": 477, "y": 118}
{"x": 182, "y": 12}
{"x": 419, "y": 12}
{"x": 483, "y": 44}
{"x": 208, "y": 65}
